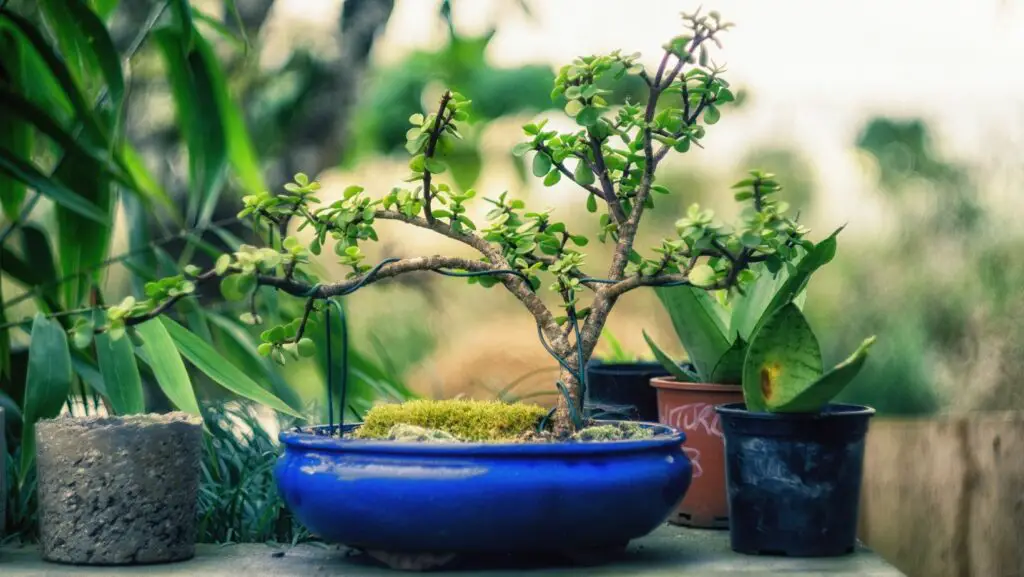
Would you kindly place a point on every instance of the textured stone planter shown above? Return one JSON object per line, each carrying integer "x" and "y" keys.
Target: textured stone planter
{"x": 118, "y": 490}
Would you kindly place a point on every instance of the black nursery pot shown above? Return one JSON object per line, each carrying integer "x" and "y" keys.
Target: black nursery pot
{"x": 623, "y": 391}
{"x": 794, "y": 479}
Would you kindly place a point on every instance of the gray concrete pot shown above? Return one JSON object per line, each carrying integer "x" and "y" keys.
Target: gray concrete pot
{"x": 118, "y": 490}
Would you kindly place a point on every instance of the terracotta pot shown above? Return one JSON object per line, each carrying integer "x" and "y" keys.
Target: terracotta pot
{"x": 690, "y": 407}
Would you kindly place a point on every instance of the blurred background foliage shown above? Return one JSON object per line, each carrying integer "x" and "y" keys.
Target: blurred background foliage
{"x": 130, "y": 130}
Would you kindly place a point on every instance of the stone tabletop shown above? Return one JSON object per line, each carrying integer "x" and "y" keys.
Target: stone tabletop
{"x": 668, "y": 551}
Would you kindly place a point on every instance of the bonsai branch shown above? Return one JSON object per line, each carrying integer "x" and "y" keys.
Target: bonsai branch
{"x": 439, "y": 124}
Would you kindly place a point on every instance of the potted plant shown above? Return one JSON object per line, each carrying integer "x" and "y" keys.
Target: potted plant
{"x": 715, "y": 332}
{"x": 617, "y": 385}
{"x": 120, "y": 487}
{"x": 794, "y": 460}
{"x": 429, "y": 485}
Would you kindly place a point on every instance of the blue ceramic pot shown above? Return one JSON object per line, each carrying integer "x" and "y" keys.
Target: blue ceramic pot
{"x": 481, "y": 498}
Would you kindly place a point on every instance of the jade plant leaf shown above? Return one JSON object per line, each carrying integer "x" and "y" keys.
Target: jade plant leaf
{"x": 822, "y": 391}
{"x": 666, "y": 361}
{"x": 699, "y": 322}
{"x": 120, "y": 374}
{"x": 782, "y": 361}
{"x": 167, "y": 365}
{"x": 47, "y": 383}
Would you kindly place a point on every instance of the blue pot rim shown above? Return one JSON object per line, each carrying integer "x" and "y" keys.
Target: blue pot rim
{"x": 665, "y": 436}
{"x": 831, "y": 411}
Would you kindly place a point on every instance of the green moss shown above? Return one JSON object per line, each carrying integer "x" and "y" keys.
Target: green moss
{"x": 617, "y": 432}
{"x": 403, "y": 432}
{"x": 464, "y": 419}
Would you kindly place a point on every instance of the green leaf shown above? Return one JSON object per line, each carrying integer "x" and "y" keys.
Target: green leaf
{"x": 92, "y": 132}
{"x": 15, "y": 137}
{"x": 700, "y": 325}
{"x": 592, "y": 203}
{"x": 701, "y": 275}
{"x": 81, "y": 34}
{"x": 56, "y": 191}
{"x": 817, "y": 257}
{"x": 541, "y": 164}
{"x": 210, "y": 362}
{"x": 666, "y": 361}
{"x": 82, "y": 244}
{"x": 182, "y": 15}
{"x": 120, "y": 374}
{"x": 782, "y": 361}
{"x": 588, "y": 116}
{"x": 729, "y": 369}
{"x": 749, "y": 307}
{"x": 552, "y": 178}
{"x": 821, "y": 392}
{"x": 47, "y": 382}
{"x": 240, "y": 150}
{"x": 582, "y": 174}
{"x": 199, "y": 119}
{"x": 434, "y": 165}
{"x": 168, "y": 368}
{"x": 712, "y": 115}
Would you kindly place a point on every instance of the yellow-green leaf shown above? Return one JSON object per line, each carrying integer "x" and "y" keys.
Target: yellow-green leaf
{"x": 120, "y": 374}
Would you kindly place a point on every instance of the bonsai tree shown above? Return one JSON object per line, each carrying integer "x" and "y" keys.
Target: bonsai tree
{"x": 612, "y": 155}
{"x": 716, "y": 332}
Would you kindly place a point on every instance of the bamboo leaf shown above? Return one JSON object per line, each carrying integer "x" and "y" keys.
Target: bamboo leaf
{"x": 120, "y": 374}
{"x": 15, "y": 136}
{"x": 86, "y": 46}
{"x": 54, "y": 63}
{"x": 82, "y": 243}
{"x": 47, "y": 383}
{"x": 210, "y": 362}
{"x": 29, "y": 113}
{"x": 50, "y": 188}
{"x": 240, "y": 149}
{"x": 5, "y": 334}
{"x": 199, "y": 119}
{"x": 168, "y": 368}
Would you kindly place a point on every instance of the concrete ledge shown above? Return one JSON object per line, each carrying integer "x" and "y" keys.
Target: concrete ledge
{"x": 667, "y": 551}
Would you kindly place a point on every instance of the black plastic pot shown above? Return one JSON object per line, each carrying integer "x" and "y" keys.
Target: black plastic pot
{"x": 623, "y": 391}
{"x": 794, "y": 479}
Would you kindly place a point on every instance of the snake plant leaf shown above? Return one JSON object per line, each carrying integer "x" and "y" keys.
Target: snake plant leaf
{"x": 700, "y": 324}
{"x": 669, "y": 365}
{"x": 729, "y": 368}
{"x": 209, "y": 361}
{"x": 791, "y": 290}
{"x": 47, "y": 382}
{"x": 168, "y": 368}
{"x": 120, "y": 374}
{"x": 748, "y": 307}
{"x": 822, "y": 391}
{"x": 783, "y": 360}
